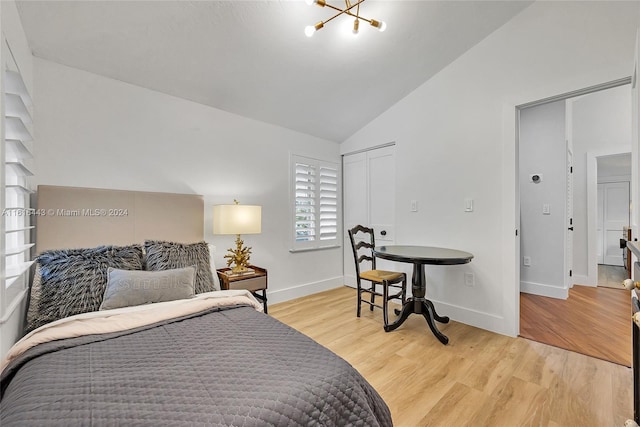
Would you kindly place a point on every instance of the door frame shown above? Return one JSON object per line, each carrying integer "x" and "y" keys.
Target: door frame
{"x": 511, "y": 193}
{"x": 592, "y": 210}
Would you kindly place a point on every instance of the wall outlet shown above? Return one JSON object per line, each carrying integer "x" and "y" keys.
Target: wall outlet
{"x": 526, "y": 261}
{"x": 469, "y": 279}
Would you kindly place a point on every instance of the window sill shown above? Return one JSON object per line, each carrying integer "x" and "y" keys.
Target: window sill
{"x": 293, "y": 251}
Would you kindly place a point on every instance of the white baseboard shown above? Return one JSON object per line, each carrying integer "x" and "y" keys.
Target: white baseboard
{"x": 544, "y": 290}
{"x": 281, "y": 295}
{"x": 477, "y": 318}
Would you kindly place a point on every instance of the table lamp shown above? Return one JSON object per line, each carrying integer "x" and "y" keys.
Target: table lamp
{"x": 237, "y": 219}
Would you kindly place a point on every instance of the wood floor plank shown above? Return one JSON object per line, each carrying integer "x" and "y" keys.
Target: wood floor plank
{"x": 594, "y": 320}
{"x": 479, "y": 379}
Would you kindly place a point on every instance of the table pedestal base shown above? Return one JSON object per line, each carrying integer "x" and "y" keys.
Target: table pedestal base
{"x": 425, "y": 307}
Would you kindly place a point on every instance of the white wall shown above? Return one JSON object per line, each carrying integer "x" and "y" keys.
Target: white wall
{"x": 543, "y": 151}
{"x": 600, "y": 124}
{"x": 102, "y": 133}
{"x": 12, "y": 30}
{"x": 455, "y": 138}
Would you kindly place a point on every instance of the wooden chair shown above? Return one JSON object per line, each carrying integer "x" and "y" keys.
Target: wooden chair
{"x": 362, "y": 243}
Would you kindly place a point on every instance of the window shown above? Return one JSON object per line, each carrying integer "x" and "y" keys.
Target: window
{"x": 315, "y": 198}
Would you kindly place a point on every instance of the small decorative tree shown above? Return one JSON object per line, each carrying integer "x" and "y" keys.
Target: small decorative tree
{"x": 238, "y": 256}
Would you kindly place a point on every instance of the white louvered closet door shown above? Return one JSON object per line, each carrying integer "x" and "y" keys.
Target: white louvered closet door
{"x": 369, "y": 199}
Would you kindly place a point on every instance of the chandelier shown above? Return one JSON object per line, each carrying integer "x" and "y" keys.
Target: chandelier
{"x": 350, "y": 9}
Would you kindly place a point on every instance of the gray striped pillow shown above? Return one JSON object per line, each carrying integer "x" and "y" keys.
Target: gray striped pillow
{"x": 73, "y": 281}
{"x": 162, "y": 255}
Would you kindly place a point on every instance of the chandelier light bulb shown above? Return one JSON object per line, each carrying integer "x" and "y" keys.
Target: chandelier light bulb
{"x": 309, "y": 30}
{"x": 309, "y": 2}
{"x": 380, "y": 25}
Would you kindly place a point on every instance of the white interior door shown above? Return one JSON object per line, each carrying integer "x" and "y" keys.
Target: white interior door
{"x": 616, "y": 216}
{"x": 355, "y": 203}
{"x": 382, "y": 182}
{"x": 600, "y": 223}
{"x": 369, "y": 195}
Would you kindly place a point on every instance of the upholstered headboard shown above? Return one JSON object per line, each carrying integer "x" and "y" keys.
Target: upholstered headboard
{"x": 72, "y": 217}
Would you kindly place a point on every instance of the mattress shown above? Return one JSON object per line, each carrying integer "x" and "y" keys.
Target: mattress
{"x": 225, "y": 365}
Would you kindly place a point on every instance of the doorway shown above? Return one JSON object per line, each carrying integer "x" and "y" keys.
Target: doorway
{"x": 613, "y": 217}
{"x": 586, "y": 127}
{"x": 568, "y": 135}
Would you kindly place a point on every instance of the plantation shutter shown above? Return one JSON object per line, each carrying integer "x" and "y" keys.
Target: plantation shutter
{"x": 328, "y": 202}
{"x": 305, "y": 202}
{"x": 316, "y": 200}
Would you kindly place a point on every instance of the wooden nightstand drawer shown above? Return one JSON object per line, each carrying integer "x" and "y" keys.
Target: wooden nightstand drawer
{"x": 253, "y": 284}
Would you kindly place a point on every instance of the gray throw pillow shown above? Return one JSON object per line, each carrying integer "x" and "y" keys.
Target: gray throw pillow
{"x": 163, "y": 255}
{"x": 72, "y": 281}
{"x": 128, "y": 287}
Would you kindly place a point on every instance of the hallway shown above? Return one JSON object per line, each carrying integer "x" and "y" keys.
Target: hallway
{"x": 595, "y": 321}
{"x": 611, "y": 276}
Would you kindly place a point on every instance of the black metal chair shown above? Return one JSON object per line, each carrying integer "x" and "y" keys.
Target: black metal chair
{"x": 362, "y": 242}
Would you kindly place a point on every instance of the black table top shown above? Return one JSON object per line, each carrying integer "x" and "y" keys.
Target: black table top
{"x": 423, "y": 254}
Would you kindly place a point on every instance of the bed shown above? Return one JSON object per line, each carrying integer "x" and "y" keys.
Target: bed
{"x": 119, "y": 352}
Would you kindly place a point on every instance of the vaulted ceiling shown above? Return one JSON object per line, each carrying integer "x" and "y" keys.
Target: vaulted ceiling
{"x": 252, "y": 57}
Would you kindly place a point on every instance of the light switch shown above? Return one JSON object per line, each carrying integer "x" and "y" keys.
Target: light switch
{"x": 469, "y": 280}
{"x": 546, "y": 209}
{"x": 468, "y": 205}
{"x": 414, "y": 206}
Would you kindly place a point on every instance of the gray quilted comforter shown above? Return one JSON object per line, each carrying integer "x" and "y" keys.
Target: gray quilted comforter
{"x": 229, "y": 367}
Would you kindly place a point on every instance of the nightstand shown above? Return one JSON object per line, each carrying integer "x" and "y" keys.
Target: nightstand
{"x": 253, "y": 282}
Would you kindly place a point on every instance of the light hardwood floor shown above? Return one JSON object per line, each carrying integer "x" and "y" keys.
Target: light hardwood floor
{"x": 479, "y": 379}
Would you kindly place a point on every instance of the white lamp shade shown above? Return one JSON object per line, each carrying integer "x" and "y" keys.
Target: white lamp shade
{"x": 237, "y": 219}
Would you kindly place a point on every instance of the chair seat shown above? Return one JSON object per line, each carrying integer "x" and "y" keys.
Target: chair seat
{"x": 380, "y": 275}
